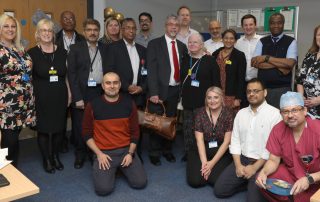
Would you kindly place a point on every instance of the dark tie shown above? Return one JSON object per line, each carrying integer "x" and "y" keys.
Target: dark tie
{"x": 176, "y": 75}
{"x": 275, "y": 39}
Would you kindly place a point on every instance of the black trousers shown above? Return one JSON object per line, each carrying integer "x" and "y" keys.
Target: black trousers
{"x": 10, "y": 140}
{"x": 76, "y": 121}
{"x": 159, "y": 145}
{"x": 274, "y": 94}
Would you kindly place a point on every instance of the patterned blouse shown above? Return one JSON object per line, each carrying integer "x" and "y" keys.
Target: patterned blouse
{"x": 224, "y": 124}
{"x": 309, "y": 77}
{"x": 16, "y": 95}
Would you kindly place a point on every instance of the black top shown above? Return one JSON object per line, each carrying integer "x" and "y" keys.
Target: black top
{"x": 235, "y": 73}
{"x": 274, "y": 78}
{"x": 207, "y": 74}
{"x": 50, "y": 97}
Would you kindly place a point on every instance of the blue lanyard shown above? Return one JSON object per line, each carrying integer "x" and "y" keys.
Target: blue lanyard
{"x": 194, "y": 76}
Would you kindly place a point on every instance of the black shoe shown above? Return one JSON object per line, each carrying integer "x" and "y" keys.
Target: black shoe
{"x": 170, "y": 157}
{"x": 155, "y": 160}
{"x": 78, "y": 163}
{"x": 47, "y": 166}
{"x": 57, "y": 163}
{"x": 184, "y": 158}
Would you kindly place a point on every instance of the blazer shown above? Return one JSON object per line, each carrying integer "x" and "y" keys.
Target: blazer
{"x": 235, "y": 73}
{"x": 59, "y": 38}
{"x": 79, "y": 67}
{"x": 119, "y": 62}
{"x": 159, "y": 68}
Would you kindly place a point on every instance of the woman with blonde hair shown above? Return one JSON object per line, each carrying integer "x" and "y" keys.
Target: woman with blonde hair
{"x": 16, "y": 91}
{"x": 112, "y": 31}
{"x": 51, "y": 93}
{"x": 213, "y": 127}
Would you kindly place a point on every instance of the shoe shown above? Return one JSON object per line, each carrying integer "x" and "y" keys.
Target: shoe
{"x": 47, "y": 166}
{"x": 170, "y": 157}
{"x": 78, "y": 163}
{"x": 155, "y": 160}
{"x": 184, "y": 158}
{"x": 57, "y": 163}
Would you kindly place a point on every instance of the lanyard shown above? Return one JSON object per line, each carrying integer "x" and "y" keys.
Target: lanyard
{"x": 65, "y": 41}
{"x": 194, "y": 76}
{"x": 51, "y": 56}
{"x": 95, "y": 55}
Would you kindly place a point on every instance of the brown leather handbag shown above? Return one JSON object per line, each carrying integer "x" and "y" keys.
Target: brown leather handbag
{"x": 161, "y": 124}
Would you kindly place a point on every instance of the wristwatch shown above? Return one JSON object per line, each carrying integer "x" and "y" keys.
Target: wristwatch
{"x": 131, "y": 153}
{"x": 266, "y": 59}
{"x": 310, "y": 179}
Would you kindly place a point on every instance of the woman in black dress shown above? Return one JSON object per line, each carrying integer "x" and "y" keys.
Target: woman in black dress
{"x": 199, "y": 71}
{"x": 51, "y": 93}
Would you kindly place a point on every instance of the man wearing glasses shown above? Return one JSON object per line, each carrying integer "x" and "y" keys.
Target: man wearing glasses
{"x": 294, "y": 147}
{"x": 251, "y": 129}
{"x": 145, "y": 35}
{"x": 86, "y": 66}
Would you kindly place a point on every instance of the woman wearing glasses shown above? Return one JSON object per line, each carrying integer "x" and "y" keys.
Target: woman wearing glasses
{"x": 213, "y": 127}
{"x": 16, "y": 91}
{"x": 51, "y": 93}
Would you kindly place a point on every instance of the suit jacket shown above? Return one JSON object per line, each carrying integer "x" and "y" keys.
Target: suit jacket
{"x": 119, "y": 62}
{"x": 59, "y": 38}
{"x": 79, "y": 68}
{"x": 235, "y": 73}
{"x": 159, "y": 68}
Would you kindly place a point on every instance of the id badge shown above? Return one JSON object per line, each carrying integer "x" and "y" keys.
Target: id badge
{"x": 213, "y": 144}
{"x": 54, "y": 78}
{"x": 92, "y": 83}
{"x": 195, "y": 83}
{"x": 310, "y": 79}
{"x": 25, "y": 77}
{"x": 144, "y": 71}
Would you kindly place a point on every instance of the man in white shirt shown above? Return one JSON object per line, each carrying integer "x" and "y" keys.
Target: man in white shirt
{"x": 184, "y": 16}
{"x": 247, "y": 43}
{"x": 251, "y": 130}
{"x": 215, "y": 42}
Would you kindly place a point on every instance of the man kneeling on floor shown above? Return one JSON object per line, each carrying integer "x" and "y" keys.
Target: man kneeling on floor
{"x": 111, "y": 130}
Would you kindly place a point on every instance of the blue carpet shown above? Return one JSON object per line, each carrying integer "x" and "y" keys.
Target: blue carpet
{"x": 165, "y": 183}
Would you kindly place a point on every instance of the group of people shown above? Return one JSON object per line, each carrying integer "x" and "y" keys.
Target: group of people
{"x": 242, "y": 123}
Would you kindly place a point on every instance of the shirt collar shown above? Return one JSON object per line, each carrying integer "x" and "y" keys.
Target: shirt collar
{"x": 279, "y": 36}
{"x": 255, "y": 36}
{"x": 259, "y": 108}
{"x": 212, "y": 41}
{"x": 89, "y": 44}
{"x": 128, "y": 44}
{"x": 64, "y": 34}
{"x": 168, "y": 39}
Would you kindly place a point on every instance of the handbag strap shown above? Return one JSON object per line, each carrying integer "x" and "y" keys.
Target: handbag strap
{"x": 161, "y": 103}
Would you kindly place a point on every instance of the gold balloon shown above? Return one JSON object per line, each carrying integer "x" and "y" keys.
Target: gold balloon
{"x": 119, "y": 16}
{"x": 108, "y": 12}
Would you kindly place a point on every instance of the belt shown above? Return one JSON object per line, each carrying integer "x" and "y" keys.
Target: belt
{"x": 251, "y": 160}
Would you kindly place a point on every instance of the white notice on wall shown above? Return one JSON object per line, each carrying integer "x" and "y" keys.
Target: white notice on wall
{"x": 232, "y": 17}
{"x": 288, "y": 16}
{"x": 256, "y": 13}
{"x": 241, "y": 13}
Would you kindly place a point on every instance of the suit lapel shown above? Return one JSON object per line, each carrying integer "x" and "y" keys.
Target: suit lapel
{"x": 164, "y": 47}
{"x": 86, "y": 54}
{"x": 127, "y": 58}
{"x": 180, "y": 50}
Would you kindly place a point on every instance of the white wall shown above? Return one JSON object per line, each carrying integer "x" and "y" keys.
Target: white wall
{"x": 159, "y": 9}
{"x": 308, "y": 16}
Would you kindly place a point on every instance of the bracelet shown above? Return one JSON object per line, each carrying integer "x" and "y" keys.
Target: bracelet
{"x": 131, "y": 154}
{"x": 266, "y": 59}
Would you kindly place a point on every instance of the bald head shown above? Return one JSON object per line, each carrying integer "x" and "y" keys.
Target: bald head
{"x": 215, "y": 30}
{"x": 112, "y": 75}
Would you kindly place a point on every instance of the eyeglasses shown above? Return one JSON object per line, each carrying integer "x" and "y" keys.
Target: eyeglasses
{"x": 68, "y": 19}
{"x": 144, "y": 21}
{"x": 92, "y": 30}
{"x": 254, "y": 91}
{"x": 294, "y": 111}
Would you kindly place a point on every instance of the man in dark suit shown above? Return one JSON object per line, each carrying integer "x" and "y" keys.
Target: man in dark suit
{"x": 164, "y": 55}
{"x": 68, "y": 35}
{"x": 127, "y": 59}
{"x": 65, "y": 38}
{"x": 86, "y": 62}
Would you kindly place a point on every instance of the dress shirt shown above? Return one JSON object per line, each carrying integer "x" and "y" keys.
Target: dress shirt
{"x": 142, "y": 40}
{"x": 67, "y": 42}
{"x": 134, "y": 59}
{"x": 184, "y": 38}
{"x": 292, "y": 51}
{"x": 251, "y": 131}
{"x": 212, "y": 46}
{"x": 96, "y": 74}
{"x": 248, "y": 46}
{"x": 172, "y": 81}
